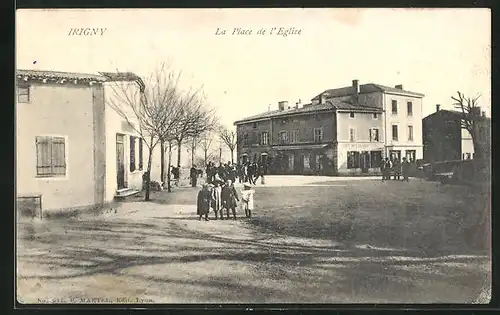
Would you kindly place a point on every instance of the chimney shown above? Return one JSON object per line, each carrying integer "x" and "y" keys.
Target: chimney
{"x": 437, "y": 107}
{"x": 355, "y": 89}
{"x": 297, "y": 105}
{"x": 399, "y": 86}
{"x": 282, "y": 105}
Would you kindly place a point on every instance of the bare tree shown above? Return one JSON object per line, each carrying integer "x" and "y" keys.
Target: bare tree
{"x": 195, "y": 119}
{"x": 230, "y": 139}
{"x": 148, "y": 106}
{"x": 206, "y": 143}
{"x": 470, "y": 115}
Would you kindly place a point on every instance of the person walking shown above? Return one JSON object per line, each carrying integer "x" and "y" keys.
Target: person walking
{"x": 247, "y": 195}
{"x": 203, "y": 204}
{"x": 229, "y": 198}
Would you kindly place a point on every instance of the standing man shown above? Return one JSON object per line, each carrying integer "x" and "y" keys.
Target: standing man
{"x": 229, "y": 198}
{"x": 405, "y": 169}
{"x": 193, "y": 174}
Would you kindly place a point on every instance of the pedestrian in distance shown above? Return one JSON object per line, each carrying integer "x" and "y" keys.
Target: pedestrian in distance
{"x": 397, "y": 169}
{"x": 247, "y": 195}
{"x": 194, "y": 176}
{"x": 405, "y": 169}
{"x": 203, "y": 204}
{"x": 229, "y": 198}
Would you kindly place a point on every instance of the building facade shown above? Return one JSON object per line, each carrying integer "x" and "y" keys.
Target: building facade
{"x": 445, "y": 139}
{"x": 342, "y": 131}
{"x": 66, "y": 142}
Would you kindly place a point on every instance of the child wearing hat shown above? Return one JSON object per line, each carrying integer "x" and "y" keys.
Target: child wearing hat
{"x": 247, "y": 197}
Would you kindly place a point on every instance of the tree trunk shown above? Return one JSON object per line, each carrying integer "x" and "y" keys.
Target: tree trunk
{"x": 205, "y": 157}
{"x": 179, "y": 148}
{"x": 220, "y": 155}
{"x": 232, "y": 154}
{"x": 162, "y": 163}
{"x": 193, "y": 148}
{"x": 169, "y": 187}
{"x": 148, "y": 176}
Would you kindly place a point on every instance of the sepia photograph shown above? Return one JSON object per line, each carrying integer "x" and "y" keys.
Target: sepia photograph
{"x": 253, "y": 156}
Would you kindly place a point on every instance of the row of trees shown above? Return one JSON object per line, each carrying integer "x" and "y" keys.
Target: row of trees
{"x": 165, "y": 115}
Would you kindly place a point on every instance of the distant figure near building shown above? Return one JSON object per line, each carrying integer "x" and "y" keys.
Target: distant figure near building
{"x": 194, "y": 176}
{"x": 405, "y": 169}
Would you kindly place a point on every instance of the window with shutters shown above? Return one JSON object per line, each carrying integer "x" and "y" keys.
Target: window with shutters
{"x": 410, "y": 133}
{"x": 245, "y": 139}
{"x": 394, "y": 104}
{"x": 283, "y": 137}
{"x": 50, "y": 156}
{"x": 352, "y": 134}
{"x": 264, "y": 138}
{"x": 395, "y": 132}
{"x": 374, "y": 135}
{"x": 295, "y": 136}
{"x": 409, "y": 106}
{"x": 132, "y": 153}
{"x": 318, "y": 134}
{"x": 23, "y": 93}
{"x": 141, "y": 162}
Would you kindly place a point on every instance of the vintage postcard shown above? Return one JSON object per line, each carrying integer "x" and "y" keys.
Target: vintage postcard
{"x": 254, "y": 156}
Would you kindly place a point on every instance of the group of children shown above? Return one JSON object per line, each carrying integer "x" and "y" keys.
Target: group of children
{"x": 218, "y": 196}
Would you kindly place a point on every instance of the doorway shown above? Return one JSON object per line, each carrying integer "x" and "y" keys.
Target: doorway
{"x": 120, "y": 161}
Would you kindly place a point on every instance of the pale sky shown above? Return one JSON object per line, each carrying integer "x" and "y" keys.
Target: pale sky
{"x": 432, "y": 51}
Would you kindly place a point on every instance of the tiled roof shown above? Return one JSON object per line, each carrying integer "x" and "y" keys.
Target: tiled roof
{"x": 309, "y": 108}
{"x": 45, "y": 74}
{"x": 366, "y": 88}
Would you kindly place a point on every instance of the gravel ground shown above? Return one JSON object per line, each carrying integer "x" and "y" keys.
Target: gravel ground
{"x": 317, "y": 240}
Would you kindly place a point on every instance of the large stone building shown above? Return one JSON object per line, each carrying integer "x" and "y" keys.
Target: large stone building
{"x": 72, "y": 150}
{"x": 445, "y": 139}
{"x": 342, "y": 131}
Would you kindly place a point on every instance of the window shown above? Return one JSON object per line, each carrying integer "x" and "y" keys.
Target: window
{"x": 352, "y": 159}
{"x": 351, "y": 114}
{"x": 295, "y": 135}
{"x": 395, "y": 132}
{"x": 394, "y": 107}
{"x": 50, "y": 156}
{"x": 23, "y": 94}
{"x": 132, "y": 153}
{"x": 318, "y": 134}
{"x": 375, "y": 158}
{"x": 352, "y": 134}
{"x": 254, "y": 125}
{"x": 375, "y": 115}
{"x": 409, "y": 106}
{"x": 410, "y": 133}
{"x": 467, "y": 156}
{"x": 264, "y": 138}
{"x": 411, "y": 155}
{"x": 245, "y": 139}
{"x": 374, "y": 134}
{"x": 283, "y": 139}
{"x": 140, "y": 155}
